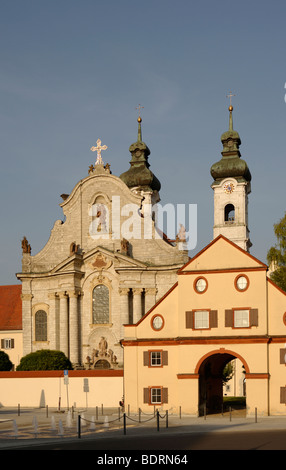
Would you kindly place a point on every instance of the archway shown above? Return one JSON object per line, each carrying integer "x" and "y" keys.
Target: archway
{"x": 210, "y": 369}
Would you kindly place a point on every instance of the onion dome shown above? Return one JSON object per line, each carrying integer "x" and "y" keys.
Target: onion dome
{"x": 230, "y": 165}
{"x": 139, "y": 174}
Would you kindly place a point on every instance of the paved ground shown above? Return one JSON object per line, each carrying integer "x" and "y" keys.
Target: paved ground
{"x": 34, "y": 428}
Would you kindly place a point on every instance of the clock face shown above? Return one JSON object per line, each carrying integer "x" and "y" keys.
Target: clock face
{"x": 228, "y": 187}
{"x": 157, "y": 322}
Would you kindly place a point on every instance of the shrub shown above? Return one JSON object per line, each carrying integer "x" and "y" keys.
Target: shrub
{"x": 45, "y": 359}
{"x": 5, "y": 363}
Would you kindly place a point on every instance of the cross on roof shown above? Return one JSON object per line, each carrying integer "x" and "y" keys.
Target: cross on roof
{"x": 139, "y": 107}
{"x": 230, "y": 95}
{"x": 98, "y": 149}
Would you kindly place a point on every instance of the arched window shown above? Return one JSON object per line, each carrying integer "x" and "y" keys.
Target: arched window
{"x": 100, "y": 304}
{"x": 229, "y": 213}
{"x": 41, "y": 326}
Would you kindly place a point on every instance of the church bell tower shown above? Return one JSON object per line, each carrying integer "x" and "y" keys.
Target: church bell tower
{"x": 231, "y": 188}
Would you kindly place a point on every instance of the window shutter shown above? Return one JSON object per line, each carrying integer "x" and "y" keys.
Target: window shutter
{"x": 164, "y": 395}
{"x": 282, "y": 356}
{"x": 254, "y": 317}
{"x": 164, "y": 358}
{"x": 12, "y": 343}
{"x": 189, "y": 319}
{"x": 2, "y": 344}
{"x": 213, "y": 319}
{"x": 146, "y": 395}
{"x": 228, "y": 318}
{"x": 283, "y": 395}
{"x": 145, "y": 358}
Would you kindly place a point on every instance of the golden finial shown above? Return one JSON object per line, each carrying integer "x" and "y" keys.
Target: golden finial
{"x": 139, "y": 107}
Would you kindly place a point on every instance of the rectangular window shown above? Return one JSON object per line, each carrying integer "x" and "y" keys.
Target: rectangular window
{"x": 155, "y": 358}
{"x": 201, "y": 319}
{"x": 241, "y": 318}
{"x": 156, "y": 396}
{"x": 283, "y": 395}
{"x": 7, "y": 343}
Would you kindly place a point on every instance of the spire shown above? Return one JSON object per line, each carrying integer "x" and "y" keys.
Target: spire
{"x": 139, "y": 138}
{"x": 139, "y": 120}
{"x": 230, "y": 108}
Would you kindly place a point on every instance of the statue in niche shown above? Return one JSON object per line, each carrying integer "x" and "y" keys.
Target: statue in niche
{"x": 101, "y": 216}
{"x": 26, "y": 248}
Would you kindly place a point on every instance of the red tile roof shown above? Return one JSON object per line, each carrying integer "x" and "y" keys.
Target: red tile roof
{"x": 10, "y": 307}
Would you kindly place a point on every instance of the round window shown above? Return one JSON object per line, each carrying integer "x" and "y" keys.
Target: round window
{"x": 157, "y": 322}
{"x": 201, "y": 285}
{"x": 242, "y": 283}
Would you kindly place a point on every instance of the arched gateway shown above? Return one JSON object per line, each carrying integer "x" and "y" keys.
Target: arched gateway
{"x": 210, "y": 371}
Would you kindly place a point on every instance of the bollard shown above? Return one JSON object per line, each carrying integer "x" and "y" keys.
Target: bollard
{"x": 124, "y": 423}
{"x": 180, "y": 412}
{"x": 230, "y": 413}
{"x": 18, "y": 409}
{"x": 167, "y": 419}
{"x": 15, "y": 428}
{"x": 47, "y": 411}
{"x": 78, "y": 427}
{"x": 158, "y": 423}
{"x": 96, "y": 413}
{"x": 256, "y": 415}
{"x": 139, "y": 411}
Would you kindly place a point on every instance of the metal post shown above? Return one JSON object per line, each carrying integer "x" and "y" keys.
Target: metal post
{"x": 124, "y": 423}
{"x": 158, "y": 424}
{"x": 47, "y": 411}
{"x": 78, "y": 427}
{"x": 205, "y": 410}
{"x": 139, "y": 415}
{"x": 230, "y": 413}
{"x": 18, "y": 409}
{"x": 167, "y": 419}
{"x": 96, "y": 412}
{"x": 180, "y": 412}
{"x": 256, "y": 415}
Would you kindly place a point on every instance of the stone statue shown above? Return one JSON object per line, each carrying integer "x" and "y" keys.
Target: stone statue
{"x": 26, "y": 248}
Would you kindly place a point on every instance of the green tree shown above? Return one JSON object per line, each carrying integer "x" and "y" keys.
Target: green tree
{"x": 45, "y": 359}
{"x": 276, "y": 256}
{"x": 227, "y": 372}
{"x": 5, "y": 363}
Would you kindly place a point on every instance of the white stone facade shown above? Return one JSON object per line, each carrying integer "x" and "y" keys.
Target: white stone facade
{"x": 84, "y": 251}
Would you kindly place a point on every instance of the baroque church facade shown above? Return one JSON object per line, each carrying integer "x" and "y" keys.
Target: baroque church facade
{"x": 101, "y": 268}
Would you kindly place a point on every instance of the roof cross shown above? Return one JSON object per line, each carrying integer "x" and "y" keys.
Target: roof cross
{"x": 230, "y": 95}
{"x": 98, "y": 149}
{"x": 139, "y": 107}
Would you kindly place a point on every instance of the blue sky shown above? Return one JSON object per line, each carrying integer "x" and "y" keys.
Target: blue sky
{"x": 74, "y": 71}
